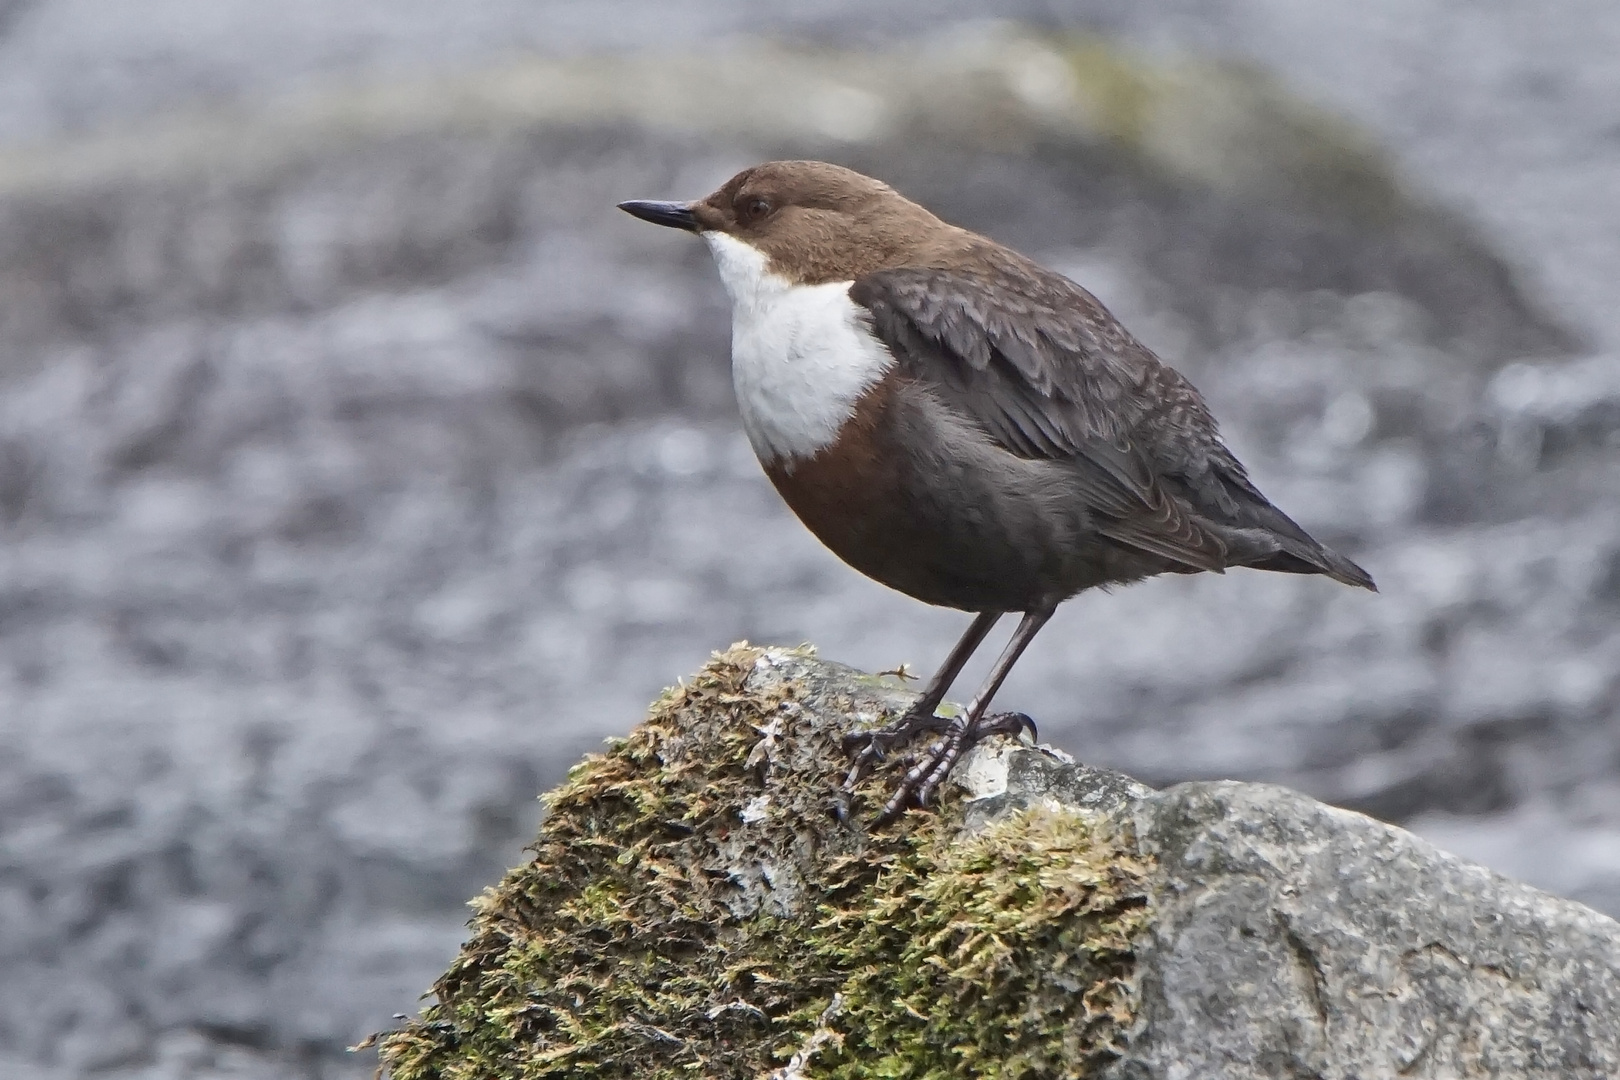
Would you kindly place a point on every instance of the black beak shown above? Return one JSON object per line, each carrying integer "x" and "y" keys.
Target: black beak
{"x": 677, "y": 215}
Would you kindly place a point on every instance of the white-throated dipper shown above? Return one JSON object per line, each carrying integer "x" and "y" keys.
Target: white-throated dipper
{"x": 964, "y": 425}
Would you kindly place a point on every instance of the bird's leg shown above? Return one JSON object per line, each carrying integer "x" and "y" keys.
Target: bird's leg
{"x": 869, "y": 747}
{"x": 967, "y": 730}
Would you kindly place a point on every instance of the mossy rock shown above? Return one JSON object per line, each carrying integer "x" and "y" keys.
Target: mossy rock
{"x": 693, "y": 908}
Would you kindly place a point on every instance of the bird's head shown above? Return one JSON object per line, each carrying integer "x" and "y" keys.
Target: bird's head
{"x": 802, "y": 223}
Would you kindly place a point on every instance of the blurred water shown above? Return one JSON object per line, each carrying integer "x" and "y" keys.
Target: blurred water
{"x": 345, "y": 504}
{"x": 1508, "y": 110}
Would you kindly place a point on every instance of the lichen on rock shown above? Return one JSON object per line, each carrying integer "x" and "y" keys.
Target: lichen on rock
{"x": 692, "y": 908}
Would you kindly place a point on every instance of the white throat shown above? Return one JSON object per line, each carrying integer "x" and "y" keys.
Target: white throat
{"x": 800, "y": 356}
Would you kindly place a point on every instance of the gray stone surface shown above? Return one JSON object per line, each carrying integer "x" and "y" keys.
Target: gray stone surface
{"x": 1293, "y": 939}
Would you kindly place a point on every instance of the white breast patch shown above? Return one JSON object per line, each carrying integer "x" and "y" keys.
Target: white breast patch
{"x": 800, "y": 358}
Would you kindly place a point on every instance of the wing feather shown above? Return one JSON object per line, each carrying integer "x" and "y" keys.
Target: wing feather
{"x": 1047, "y": 373}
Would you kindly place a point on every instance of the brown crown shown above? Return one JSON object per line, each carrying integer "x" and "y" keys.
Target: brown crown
{"x": 818, "y": 222}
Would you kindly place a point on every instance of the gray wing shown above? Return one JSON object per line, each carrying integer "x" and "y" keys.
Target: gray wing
{"x": 1047, "y": 372}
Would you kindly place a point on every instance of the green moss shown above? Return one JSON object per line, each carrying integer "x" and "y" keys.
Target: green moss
{"x": 657, "y": 933}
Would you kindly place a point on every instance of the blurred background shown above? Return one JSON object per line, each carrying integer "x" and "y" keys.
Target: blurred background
{"x": 361, "y": 466}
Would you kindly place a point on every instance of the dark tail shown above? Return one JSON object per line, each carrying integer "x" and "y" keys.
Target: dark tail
{"x": 1321, "y": 560}
{"x": 1258, "y": 534}
{"x": 1287, "y": 548}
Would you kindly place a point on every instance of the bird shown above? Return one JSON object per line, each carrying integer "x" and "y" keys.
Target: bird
{"x": 965, "y": 426}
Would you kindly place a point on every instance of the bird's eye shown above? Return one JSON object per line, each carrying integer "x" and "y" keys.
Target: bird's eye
{"x": 755, "y": 208}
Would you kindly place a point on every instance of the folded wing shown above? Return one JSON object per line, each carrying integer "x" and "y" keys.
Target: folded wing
{"x": 1043, "y": 368}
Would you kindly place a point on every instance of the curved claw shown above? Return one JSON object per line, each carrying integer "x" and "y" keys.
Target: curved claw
{"x": 1007, "y": 723}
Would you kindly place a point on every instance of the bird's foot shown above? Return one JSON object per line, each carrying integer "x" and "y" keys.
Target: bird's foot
{"x": 923, "y": 778}
{"x": 867, "y": 748}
